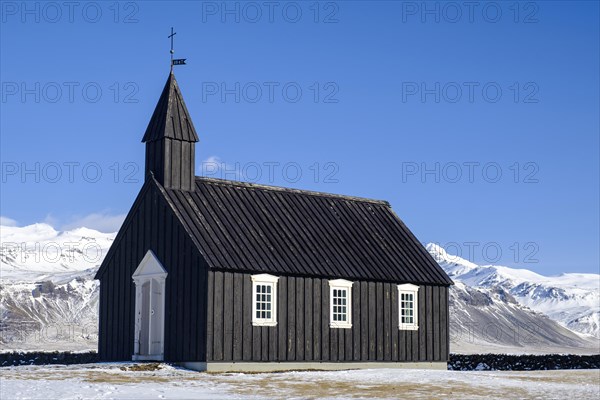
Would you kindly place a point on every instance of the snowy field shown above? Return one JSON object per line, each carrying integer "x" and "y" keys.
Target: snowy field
{"x": 118, "y": 381}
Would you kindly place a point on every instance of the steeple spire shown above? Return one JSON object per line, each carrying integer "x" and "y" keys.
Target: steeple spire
{"x": 170, "y": 140}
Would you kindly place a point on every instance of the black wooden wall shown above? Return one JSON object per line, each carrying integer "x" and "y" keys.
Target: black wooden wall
{"x": 208, "y": 313}
{"x": 303, "y": 333}
{"x": 172, "y": 162}
{"x": 151, "y": 225}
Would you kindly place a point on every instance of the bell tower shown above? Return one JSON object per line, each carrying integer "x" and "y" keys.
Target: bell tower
{"x": 171, "y": 140}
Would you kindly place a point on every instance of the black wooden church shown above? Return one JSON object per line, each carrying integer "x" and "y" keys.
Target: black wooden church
{"x": 223, "y": 275}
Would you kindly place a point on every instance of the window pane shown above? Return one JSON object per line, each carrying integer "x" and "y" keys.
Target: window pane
{"x": 264, "y": 301}
{"x": 407, "y": 308}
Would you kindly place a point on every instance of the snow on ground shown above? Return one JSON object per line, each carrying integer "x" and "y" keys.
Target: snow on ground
{"x": 115, "y": 380}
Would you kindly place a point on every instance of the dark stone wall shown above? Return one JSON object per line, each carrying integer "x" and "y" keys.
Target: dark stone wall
{"x": 42, "y": 358}
{"x": 458, "y": 362}
{"x": 503, "y": 362}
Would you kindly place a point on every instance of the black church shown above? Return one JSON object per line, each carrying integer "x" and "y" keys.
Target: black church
{"x": 222, "y": 275}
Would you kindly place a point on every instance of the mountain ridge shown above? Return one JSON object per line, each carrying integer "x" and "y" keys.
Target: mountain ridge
{"x": 571, "y": 299}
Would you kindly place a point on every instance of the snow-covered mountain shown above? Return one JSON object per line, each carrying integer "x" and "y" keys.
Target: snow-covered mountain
{"x": 492, "y": 321}
{"x": 37, "y": 252}
{"x": 571, "y": 299}
{"x": 49, "y": 300}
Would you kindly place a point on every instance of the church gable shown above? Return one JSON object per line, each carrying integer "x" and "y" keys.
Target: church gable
{"x": 149, "y": 225}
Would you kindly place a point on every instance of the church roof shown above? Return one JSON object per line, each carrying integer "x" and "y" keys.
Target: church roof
{"x": 171, "y": 118}
{"x": 264, "y": 229}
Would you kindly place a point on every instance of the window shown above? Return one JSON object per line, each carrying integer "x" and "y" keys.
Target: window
{"x": 340, "y": 298}
{"x": 264, "y": 300}
{"x": 408, "y": 306}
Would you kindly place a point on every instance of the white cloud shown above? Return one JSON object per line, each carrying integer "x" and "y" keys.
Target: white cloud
{"x": 5, "y": 221}
{"x": 102, "y": 222}
{"x": 214, "y": 167}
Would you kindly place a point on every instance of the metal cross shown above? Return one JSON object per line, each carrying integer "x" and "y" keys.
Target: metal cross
{"x": 172, "y": 51}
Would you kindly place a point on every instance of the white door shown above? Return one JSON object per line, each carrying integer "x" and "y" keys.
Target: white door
{"x": 149, "y": 280}
{"x": 156, "y": 318}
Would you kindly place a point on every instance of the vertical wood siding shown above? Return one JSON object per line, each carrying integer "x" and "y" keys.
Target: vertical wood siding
{"x": 154, "y": 227}
{"x": 303, "y": 333}
{"x": 172, "y": 162}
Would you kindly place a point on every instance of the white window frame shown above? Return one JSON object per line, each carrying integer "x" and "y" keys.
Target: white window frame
{"x": 341, "y": 284}
{"x": 267, "y": 280}
{"x": 409, "y": 288}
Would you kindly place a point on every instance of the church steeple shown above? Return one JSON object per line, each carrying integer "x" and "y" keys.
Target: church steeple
{"x": 170, "y": 140}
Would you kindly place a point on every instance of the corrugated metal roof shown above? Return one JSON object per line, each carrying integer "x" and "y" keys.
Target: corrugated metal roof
{"x": 255, "y": 228}
{"x": 171, "y": 118}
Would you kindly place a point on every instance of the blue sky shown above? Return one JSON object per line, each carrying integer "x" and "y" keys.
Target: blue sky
{"x": 479, "y": 125}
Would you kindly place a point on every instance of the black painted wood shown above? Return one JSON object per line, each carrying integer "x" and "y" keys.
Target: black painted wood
{"x": 424, "y": 325}
{"x": 372, "y": 324}
{"x": 246, "y": 319}
{"x": 444, "y": 318}
{"x": 387, "y": 322}
{"x": 238, "y": 303}
{"x": 300, "y": 318}
{"x": 255, "y": 228}
{"x": 308, "y": 318}
{"x": 364, "y": 320}
{"x": 429, "y": 321}
{"x": 325, "y": 329}
{"x": 210, "y": 306}
{"x": 282, "y": 307}
{"x": 228, "y": 299}
{"x": 218, "y": 316}
{"x": 291, "y": 318}
{"x": 395, "y": 312}
{"x": 185, "y": 327}
{"x": 170, "y": 140}
{"x": 380, "y": 327}
{"x": 436, "y": 323}
{"x": 210, "y": 234}
{"x": 306, "y": 336}
{"x": 316, "y": 318}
